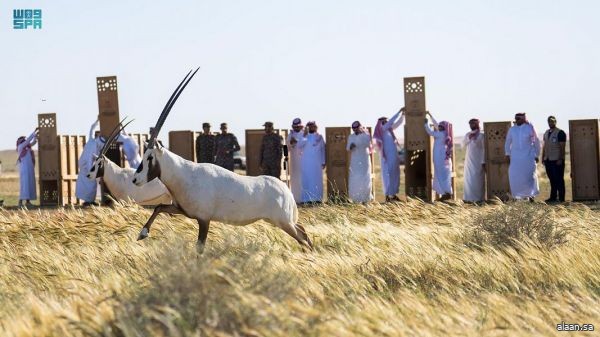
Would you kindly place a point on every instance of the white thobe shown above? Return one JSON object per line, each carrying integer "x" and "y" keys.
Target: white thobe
{"x": 390, "y": 159}
{"x": 442, "y": 174}
{"x": 86, "y": 189}
{"x": 359, "y": 176}
{"x": 523, "y": 146}
{"x": 131, "y": 150}
{"x": 295, "y": 153}
{"x": 27, "y": 170}
{"x": 313, "y": 159}
{"x": 474, "y": 174}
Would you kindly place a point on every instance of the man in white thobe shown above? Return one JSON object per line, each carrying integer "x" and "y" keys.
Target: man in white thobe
{"x": 26, "y": 162}
{"x": 295, "y": 151}
{"x": 387, "y": 143}
{"x": 312, "y": 145}
{"x": 522, "y": 148}
{"x": 443, "y": 142}
{"x": 474, "y": 173}
{"x": 131, "y": 150}
{"x": 86, "y": 189}
{"x": 359, "y": 175}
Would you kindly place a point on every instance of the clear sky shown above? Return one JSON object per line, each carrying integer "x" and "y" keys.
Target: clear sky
{"x": 331, "y": 61}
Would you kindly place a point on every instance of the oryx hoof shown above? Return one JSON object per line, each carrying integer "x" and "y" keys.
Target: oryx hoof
{"x": 199, "y": 247}
{"x": 143, "y": 234}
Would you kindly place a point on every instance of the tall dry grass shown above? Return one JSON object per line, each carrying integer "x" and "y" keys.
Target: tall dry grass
{"x": 406, "y": 269}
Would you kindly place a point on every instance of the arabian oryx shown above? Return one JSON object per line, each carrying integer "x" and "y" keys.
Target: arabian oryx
{"x": 208, "y": 192}
{"x": 118, "y": 180}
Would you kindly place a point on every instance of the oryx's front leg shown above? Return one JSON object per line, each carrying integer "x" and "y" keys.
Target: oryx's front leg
{"x": 171, "y": 209}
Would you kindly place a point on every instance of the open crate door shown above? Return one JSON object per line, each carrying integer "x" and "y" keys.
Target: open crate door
{"x": 418, "y": 165}
{"x": 495, "y": 160}
{"x": 585, "y": 159}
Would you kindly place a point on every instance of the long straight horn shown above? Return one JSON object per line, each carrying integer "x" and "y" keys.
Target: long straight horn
{"x": 115, "y": 136}
{"x": 175, "y": 99}
{"x": 165, "y": 113}
{"x": 110, "y": 135}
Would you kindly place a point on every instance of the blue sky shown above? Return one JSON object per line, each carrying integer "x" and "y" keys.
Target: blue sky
{"x": 331, "y": 61}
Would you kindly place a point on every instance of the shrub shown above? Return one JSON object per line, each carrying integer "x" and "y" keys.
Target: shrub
{"x": 515, "y": 223}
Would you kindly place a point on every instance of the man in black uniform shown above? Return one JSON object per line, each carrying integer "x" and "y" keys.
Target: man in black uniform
{"x": 226, "y": 144}
{"x": 271, "y": 151}
{"x": 553, "y": 156}
{"x": 205, "y": 145}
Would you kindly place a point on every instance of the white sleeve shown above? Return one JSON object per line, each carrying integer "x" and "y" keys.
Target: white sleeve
{"x": 93, "y": 129}
{"x": 435, "y": 123}
{"x": 508, "y": 143}
{"x": 398, "y": 123}
{"x": 428, "y": 129}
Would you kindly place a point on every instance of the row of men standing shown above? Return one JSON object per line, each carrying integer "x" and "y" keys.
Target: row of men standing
{"x": 307, "y": 149}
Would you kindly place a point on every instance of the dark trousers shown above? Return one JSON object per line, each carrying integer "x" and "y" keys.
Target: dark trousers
{"x": 556, "y": 175}
{"x": 272, "y": 169}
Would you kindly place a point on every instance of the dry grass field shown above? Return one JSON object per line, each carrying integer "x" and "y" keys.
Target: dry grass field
{"x": 400, "y": 269}
{"x": 403, "y": 269}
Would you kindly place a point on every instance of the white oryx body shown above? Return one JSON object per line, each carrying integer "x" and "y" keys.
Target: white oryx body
{"x": 118, "y": 181}
{"x": 208, "y": 192}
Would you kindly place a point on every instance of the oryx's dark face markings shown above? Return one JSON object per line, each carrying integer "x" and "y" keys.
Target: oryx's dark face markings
{"x": 93, "y": 174}
{"x": 100, "y": 173}
{"x": 140, "y": 167}
{"x": 153, "y": 168}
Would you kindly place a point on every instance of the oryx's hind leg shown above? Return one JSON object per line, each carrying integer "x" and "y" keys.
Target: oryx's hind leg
{"x": 298, "y": 233}
{"x": 302, "y": 233}
{"x": 202, "y": 234}
{"x": 171, "y": 209}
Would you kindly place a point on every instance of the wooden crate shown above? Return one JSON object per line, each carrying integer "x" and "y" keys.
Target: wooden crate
{"x": 71, "y": 148}
{"x": 58, "y": 163}
{"x": 585, "y": 159}
{"x": 495, "y": 160}
{"x": 253, "y": 142}
{"x": 183, "y": 144}
{"x": 418, "y": 145}
{"x": 108, "y": 104}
